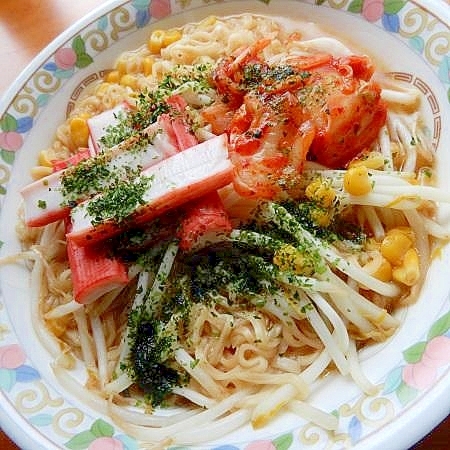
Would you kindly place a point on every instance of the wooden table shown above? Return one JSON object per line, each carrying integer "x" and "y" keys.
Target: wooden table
{"x": 26, "y": 27}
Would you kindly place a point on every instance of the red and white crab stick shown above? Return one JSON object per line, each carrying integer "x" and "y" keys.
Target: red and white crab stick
{"x": 183, "y": 177}
{"x": 94, "y": 271}
{"x": 44, "y": 199}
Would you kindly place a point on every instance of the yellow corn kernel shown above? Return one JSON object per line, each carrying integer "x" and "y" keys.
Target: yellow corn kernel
{"x": 147, "y": 65}
{"x": 113, "y": 76}
{"x": 357, "y": 181}
{"x": 395, "y": 245}
{"x": 289, "y": 259}
{"x": 38, "y": 172}
{"x": 121, "y": 67}
{"x": 320, "y": 192}
{"x": 321, "y": 216}
{"x": 384, "y": 271}
{"x": 45, "y": 158}
{"x": 372, "y": 160}
{"x": 79, "y": 131}
{"x": 171, "y": 36}
{"x": 160, "y": 39}
{"x": 156, "y": 41}
{"x": 312, "y": 187}
{"x": 128, "y": 80}
{"x": 133, "y": 65}
{"x": 409, "y": 272}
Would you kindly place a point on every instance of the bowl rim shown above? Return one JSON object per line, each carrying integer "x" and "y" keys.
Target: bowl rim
{"x": 27, "y": 436}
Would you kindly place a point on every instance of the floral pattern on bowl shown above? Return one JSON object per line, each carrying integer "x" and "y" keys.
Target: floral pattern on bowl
{"x": 424, "y": 361}
{"x": 420, "y": 364}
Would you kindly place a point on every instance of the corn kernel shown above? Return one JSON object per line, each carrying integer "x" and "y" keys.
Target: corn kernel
{"x": 321, "y": 193}
{"x": 160, "y": 39}
{"x": 147, "y": 65}
{"x": 357, "y": 181}
{"x": 409, "y": 272}
{"x": 129, "y": 81}
{"x": 395, "y": 245}
{"x": 45, "y": 158}
{"x": 312, "y": 187}
{"x": 171, "y": 36}
{"x": 38, "y": 172}
{"x": 289, "y": 259}
{"x": 156, "y": 41}
{"x": 384, "y": 271}
{"x": 121, "y": 67}
{"x": 79, "y": 131}
{"x": 133, "y": 65}
{"x": 113, "y": 76}
{"x": 321, "y": 216}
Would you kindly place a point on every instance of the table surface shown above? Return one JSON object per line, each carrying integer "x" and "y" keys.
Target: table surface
{"x": 26, "y": 27}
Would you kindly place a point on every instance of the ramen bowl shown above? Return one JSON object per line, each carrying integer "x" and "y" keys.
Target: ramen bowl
{"x": 411, "y": 369}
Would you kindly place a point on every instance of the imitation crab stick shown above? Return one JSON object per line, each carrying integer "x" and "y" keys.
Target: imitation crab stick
{"x": 80, "y": 155}
{"x": 205, "y": 219}
{"x": 173, "y": 182}
{"x": 98, "y": 125}
{"x": 94, "y": 271}
{"x": 175, "y": 126}
{"x": 44, "y": 199}
{"x": 205, "y": 222}
{"x": 184, "y": 138}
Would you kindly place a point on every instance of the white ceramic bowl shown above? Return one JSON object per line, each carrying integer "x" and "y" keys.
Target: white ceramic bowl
{"x": 411, "y": 39}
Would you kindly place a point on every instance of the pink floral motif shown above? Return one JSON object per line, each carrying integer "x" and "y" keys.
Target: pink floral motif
{"x": 11, "y": 357}
{"x": 160, "y": 8}
{"x": 11, "y": 140}
{"x": 261, "y": 445}
{"x": 437, "y": 352}
{"x": 106, "y": 443}
{"x": 65, "y": 58}
{"x": 372, "y": 10}
{"x": 419, "y": 375}
{"x": 423, "y": 374}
